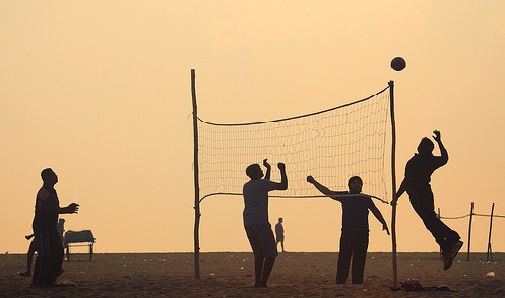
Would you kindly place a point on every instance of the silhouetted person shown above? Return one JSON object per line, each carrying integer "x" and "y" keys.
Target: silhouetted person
{"x": 257, "y": 226}
{"x": 279, "y": 234}
{"x": 417, "y": 185}
{"x": 61, "y": 229}
{"x": 29, "y": 256}
{"x": 355, "y": 230}
{"x": 47, "y": 238}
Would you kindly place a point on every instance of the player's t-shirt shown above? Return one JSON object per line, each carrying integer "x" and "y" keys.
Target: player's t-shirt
{"x": 45, "y": 220}
{"x": 355, "y": 212}
{"x": 419, "y": 169}
{"x": 256, "y": 201}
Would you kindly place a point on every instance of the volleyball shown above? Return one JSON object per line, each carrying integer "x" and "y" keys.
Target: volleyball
{"x": 398, "y": 63}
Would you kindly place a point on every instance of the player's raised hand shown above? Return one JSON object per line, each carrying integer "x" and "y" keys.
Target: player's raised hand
{"x": 437, "y": 136}
{"x": 281, "y": 166}
{"x": 265, "y": 163}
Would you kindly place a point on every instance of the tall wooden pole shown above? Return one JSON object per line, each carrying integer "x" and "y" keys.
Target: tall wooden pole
{"x": 489, "y": 249}
{"x": 393, "y": 182}
{"x": 197, "y": 186}
{"x": 469, "y": 229}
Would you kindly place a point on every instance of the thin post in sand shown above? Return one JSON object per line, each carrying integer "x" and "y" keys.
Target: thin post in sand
{"x": 195, "y": 173}
{"x": 469, "y": 230}
{"x": 393, "y": 182}
{"x": 489, "y": 256}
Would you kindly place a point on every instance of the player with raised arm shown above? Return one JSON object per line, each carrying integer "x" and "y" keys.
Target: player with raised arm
{"x": 416, "y": 183}
{"x": 256, "y": 224}
{"x": 355, "y": 229}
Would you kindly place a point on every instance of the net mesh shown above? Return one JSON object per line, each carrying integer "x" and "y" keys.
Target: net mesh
{"x": 331, "y": 145}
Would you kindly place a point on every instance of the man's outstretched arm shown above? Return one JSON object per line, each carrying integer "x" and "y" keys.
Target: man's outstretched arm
{"x": 72, "y": 208}
{"x": 443, "y": 151}
{"x": 399, "y": 192}
{"x": 323, "y": 189}
{"x": 376, "y": 212}
{"x": 268, "y": 167}
{"x": 283, "y": 185}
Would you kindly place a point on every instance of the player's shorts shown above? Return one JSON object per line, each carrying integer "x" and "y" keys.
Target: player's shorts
{"x": 262, "y": 240}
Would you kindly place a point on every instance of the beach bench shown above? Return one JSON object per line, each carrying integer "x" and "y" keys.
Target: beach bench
{"x": 79, "y": 238}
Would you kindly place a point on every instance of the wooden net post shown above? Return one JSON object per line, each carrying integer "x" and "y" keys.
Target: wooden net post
{"x": 393, "y": 182}
{"x": 197, "y": 186}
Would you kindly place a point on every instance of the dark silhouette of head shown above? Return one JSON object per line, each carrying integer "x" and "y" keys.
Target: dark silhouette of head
{"x": 254, "y": 171}
{"x": 355, "y": 184}
{"x": 426, "y": 146}
{"x": 49, "y": 176}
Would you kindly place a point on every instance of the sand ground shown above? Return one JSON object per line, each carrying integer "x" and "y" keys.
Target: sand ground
{"x": 230, "y": 274}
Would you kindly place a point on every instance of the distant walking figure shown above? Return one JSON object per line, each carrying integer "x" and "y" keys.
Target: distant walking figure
{"x": 47, "y": 238}
{"x": 29, "y": 256}
{"x": 256, "y": 224}
{"x": 61, "y": 229}
{"x": 417, "y": 185}
{"x": 279, "y": 234}
{"x": 355, "y": 230}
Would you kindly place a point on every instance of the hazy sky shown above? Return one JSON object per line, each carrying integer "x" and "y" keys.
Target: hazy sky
{"x": 100, "y": 92}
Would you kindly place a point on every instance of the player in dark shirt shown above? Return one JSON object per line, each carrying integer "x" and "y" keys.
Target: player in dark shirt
{"x": 47, "y": 238}
{"x": 416, "y": 183}
{"x": 355, "y": 230}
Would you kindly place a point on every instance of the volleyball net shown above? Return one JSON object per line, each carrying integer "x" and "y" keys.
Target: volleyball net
{"x": 331, "y": 145}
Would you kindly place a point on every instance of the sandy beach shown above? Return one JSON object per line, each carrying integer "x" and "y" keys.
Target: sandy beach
{"x": 229, "y": 274}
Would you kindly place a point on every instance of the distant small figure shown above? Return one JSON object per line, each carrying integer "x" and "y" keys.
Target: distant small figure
{"x": 417, "y": 185}
{"x": 355, "y": 230}
{"x": 29, "y": 256}
{"x": 279, "y": 234}
{"x": 258, "y": 229}
{"x": 47, "y": 238}
{"x": 61, "y": 229}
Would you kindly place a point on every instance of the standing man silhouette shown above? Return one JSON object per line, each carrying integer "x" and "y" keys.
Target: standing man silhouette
{"x": 256, "y": 224}
{"x": 47, "y": 238}
{"x": 354, "y": 236}
{"x": 416, "y": 183}
{"x": 279, "y": 234}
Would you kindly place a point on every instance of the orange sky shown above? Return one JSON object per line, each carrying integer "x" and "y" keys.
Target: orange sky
{"x": 100, "y": 92}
